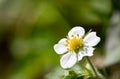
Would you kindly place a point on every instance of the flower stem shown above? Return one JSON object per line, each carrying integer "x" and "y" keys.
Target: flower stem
{"x": 92, "y": 67}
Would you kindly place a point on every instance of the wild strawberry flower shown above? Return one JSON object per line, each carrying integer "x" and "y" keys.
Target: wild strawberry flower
{"x": 76, "y": 46}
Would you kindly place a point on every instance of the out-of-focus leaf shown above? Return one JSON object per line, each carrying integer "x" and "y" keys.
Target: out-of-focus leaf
{"x": 47, "y": 14}
{"x": 113, "y": 41}
{"x": 57, "y": 73}
{"x": 33, "y": 54}
{"x": 85, "y": 12}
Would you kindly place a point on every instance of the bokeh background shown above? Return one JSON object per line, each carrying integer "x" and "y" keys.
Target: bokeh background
{"x": 30, "y": 28}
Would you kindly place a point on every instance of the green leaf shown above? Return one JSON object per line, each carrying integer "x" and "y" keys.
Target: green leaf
{"x": 71, "y": 75}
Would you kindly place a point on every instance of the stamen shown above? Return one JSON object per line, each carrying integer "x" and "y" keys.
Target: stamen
{"x": 66, "y": 44}
{"x": 68, "y": 49}
{"x": 67, "y": 41}
{"x": 72, "y": 35}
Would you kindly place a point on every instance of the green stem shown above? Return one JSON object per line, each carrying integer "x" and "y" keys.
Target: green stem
{"x": 93, "y": 68}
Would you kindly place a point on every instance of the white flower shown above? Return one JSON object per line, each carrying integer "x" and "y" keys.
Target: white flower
{"x": 76, "y": 46}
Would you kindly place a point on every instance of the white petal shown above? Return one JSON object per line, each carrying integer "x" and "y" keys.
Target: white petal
{"x": 80, "y": 56}
{"x": 87, "y": 51}
{"x": 76, "y": 30}
{"x": 60, "y": 47}
{"x": 91, "y": 39}
{"x": 68, "y": 60}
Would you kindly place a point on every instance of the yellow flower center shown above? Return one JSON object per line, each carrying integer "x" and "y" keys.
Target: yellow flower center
{"x": 74, "y": 44}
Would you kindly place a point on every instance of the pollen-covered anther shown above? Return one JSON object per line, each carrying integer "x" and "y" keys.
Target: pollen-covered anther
{"x": 72, "y": 35}
{"x": 66, "y": 44}
{"x": 78, "y": 35}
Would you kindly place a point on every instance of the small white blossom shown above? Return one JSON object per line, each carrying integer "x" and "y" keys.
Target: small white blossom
{"x": 76, "y": 46}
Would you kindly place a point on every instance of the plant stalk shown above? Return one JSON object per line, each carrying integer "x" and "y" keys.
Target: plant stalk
{"x": 92, "y": 66}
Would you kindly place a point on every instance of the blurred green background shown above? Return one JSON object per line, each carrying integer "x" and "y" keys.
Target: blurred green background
{"x": 30, "y": 28}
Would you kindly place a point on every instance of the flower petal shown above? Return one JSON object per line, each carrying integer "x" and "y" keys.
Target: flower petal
{"x": 68, "y": 60}
{"x": 87, "y": 51}
{"x": 91, "y": 39}
{"x": 60, "y": 47}
{"x": 76, "y": 30}
{"x": 80, "y": 56}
